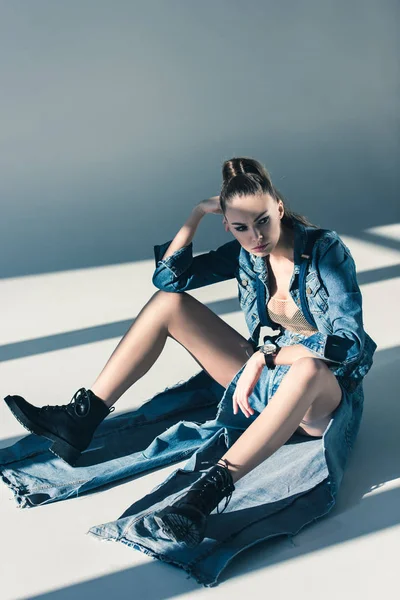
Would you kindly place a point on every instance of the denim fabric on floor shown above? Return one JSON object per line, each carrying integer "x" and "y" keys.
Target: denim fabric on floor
{"x": 295, "y": 486}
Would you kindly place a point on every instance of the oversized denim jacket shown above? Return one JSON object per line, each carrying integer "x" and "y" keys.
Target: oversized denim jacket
{"x": 329, "y": 295}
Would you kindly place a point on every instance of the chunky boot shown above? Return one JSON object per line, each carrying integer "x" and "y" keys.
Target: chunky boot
{"x": 185, "y": 520}
{"x": 71, "y": 426}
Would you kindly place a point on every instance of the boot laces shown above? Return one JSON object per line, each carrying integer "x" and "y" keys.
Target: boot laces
{"x": 221, "y": 479}
{"x": 77, "y": 399}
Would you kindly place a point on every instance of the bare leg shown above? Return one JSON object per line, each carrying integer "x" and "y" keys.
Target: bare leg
{"x": 308, "y": 388}
{"x": 217, "y": 347}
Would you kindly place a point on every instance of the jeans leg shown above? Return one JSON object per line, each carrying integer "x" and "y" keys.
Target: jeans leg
{"x": 165, "y": 429}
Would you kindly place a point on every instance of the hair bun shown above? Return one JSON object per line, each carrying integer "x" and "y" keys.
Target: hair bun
{"x": 233, "y": 175}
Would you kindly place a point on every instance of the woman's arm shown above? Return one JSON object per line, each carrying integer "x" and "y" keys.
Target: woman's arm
{"x": 287, "y": 355}
{"x": 186, "y": 232}
{"x": 176, "y": 268}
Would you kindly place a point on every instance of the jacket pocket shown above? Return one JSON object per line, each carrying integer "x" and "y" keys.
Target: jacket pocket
{"x": 316, "y": 294}
{"x": 246, "y": 287}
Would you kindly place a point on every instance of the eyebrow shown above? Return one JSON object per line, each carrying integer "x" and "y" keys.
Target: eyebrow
{"x": 236, "y": 223}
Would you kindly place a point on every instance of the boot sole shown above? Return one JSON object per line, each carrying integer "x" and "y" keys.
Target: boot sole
{"x": 60, "y": 448}
{"x": 178, "y": 528}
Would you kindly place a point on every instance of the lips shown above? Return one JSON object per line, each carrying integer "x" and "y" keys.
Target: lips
{"x": 260, "y": 247}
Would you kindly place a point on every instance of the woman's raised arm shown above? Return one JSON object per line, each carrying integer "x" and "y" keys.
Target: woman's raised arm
{"x": 186, "y": 233}
{"x": 176, "y": 268}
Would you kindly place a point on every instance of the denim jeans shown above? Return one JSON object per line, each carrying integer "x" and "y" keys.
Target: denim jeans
{"x": 292, "y": 488}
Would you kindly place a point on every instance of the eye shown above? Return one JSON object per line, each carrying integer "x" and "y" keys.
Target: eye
{"x": 265, "y": 219}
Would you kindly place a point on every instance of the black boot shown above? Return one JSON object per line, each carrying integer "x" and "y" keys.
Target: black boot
{"x": 185, "y": 520}
{"x": 71, "y": 426}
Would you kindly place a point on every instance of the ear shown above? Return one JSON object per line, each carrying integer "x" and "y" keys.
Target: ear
{"x": 225, "y": 224}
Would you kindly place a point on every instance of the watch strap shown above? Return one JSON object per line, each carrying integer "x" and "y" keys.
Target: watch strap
{"x": 269, "y": 360}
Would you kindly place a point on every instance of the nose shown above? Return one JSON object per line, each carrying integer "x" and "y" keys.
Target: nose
{"x": 257, "y": 237}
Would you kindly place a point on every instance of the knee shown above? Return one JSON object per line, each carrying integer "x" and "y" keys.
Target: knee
{"x": 170, "y": 297}
{"x": 309, "y": 367}
{"x": 169, "y": 304}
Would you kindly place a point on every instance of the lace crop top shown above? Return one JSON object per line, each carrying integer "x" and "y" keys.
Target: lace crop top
{"x": 288, "y": 314}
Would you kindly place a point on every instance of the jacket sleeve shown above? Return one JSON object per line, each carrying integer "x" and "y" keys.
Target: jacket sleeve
{"x": 181, "y": 271}
{"x": 338, "y": 274}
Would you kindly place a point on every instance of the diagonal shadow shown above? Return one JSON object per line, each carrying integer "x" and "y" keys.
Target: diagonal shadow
{"x": 381, "y": 274}
{"x": 87, "y": 335}
{"x": 378, "y": 239}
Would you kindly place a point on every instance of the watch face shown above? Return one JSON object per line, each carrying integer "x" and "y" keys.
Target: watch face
{"x": 268, "y": 348}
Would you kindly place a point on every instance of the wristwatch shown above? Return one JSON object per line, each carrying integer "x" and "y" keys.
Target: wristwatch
{"x": 270, "y": 351}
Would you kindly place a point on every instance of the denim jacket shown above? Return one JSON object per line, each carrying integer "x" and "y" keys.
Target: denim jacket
{"x": 328, "y": 293}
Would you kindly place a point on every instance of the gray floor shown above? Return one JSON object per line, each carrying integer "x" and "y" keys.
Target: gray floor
{"x": 59, "y": 331}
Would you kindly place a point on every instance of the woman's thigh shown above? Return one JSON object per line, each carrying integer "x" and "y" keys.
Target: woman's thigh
{"x": 218, "y": 348}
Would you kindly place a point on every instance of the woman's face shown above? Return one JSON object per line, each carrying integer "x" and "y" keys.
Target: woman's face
{"x": 255, "y": 221}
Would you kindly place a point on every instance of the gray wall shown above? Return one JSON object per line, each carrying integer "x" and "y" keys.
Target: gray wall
{"x": 116, "y": 117}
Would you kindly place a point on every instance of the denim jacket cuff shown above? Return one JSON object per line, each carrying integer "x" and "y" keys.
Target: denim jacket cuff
{"x": 178, "y": 262}
{"x": 332, "y": 348}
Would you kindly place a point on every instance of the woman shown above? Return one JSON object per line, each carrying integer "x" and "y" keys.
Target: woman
{"x": 292, "y": 384}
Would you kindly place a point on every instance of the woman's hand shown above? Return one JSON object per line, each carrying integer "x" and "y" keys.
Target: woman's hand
{"x": 246, "y": 382}
{"x": 211, "y": 205}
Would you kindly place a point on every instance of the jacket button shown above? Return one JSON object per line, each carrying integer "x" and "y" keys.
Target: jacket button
{"x": 308, "y": 290}
{"x": 244, "y": 282}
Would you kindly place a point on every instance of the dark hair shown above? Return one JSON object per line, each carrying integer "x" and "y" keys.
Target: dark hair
{"x": 245, "y": 176}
